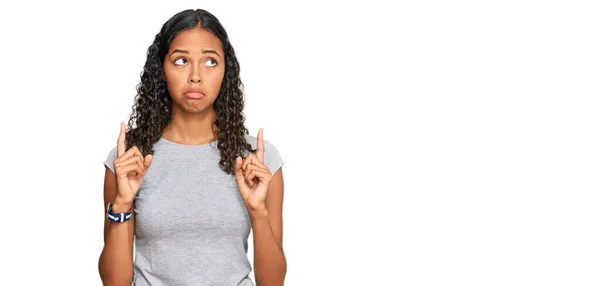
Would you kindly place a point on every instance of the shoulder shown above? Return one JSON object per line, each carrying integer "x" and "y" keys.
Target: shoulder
{"x": 110, "y": 159}
{"x": 273, "y": 158}
{"x": 269, "y": 146}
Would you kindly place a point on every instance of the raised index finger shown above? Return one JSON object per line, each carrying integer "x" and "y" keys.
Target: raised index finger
{"x": 260, "y": 146}
{"x": 121, "y": 141}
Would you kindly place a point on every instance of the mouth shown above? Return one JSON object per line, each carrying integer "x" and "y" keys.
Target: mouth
{"x": 194, "y": 94}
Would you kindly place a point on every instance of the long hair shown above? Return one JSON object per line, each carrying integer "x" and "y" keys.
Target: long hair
{"x": 152, "y": 107}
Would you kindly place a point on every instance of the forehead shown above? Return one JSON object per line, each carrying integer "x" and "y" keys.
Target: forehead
{"x": 195, "y": 40}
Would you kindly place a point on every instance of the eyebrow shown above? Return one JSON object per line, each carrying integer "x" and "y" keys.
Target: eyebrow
{"x": 203, "y": 51}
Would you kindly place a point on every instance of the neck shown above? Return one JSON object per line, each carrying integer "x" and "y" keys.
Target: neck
{"x": 191, "y": 128}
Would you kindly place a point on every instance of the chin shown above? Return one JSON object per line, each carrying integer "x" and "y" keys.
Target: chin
{"x": 194, "y": 107}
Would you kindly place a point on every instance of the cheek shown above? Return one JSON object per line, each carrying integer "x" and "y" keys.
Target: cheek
{"x": 216, "y": 79}
{"x": 175, "y": 81}
{"x": 174, "y": 78}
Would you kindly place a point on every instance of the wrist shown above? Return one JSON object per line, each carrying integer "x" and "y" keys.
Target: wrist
{"x": 258, "y": 213}
{"x": 258, "y": 208}
{"x": 121, "y": 206}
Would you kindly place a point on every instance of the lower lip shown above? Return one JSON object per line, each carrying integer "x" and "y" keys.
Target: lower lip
{"x": 194, "y": 95}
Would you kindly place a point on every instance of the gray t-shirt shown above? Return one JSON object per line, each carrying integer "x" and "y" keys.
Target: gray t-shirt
{"x": 191, "y": 225}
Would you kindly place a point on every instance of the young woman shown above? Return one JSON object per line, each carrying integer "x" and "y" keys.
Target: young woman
{"x": 185, "y": 179}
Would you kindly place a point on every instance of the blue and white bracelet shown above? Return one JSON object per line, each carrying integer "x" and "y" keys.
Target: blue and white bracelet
{"x": 119, "y": 217}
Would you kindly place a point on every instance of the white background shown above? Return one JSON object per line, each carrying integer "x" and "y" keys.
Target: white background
{"x": 438, "y": 143}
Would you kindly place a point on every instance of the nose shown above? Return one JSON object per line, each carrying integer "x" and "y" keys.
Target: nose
{"x": 195, "y": 76}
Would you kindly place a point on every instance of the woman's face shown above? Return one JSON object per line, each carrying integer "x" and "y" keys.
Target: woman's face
{"x": 193, "y": 68}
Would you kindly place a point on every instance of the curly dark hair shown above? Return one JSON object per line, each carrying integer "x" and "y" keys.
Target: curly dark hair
{"x": 152, "y": 109}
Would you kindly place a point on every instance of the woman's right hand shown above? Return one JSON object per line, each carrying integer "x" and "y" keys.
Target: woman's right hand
{"x": 130, "y": 168}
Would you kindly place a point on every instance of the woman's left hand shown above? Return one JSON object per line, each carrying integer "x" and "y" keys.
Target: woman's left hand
{"x": 253, "y": 177}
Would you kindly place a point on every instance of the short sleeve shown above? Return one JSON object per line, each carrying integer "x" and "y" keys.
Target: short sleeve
{"x": 273, "y": 159}
{"x": 110, "y": 159}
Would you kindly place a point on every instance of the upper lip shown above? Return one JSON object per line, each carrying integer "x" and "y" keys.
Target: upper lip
{"x": 195, "y": 91}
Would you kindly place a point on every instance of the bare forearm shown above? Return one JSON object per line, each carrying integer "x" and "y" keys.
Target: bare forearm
{"x": 270, "y": 264}
{"x": 116, "y": 261}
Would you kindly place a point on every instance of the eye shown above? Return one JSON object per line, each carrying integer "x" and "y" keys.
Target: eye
{"x": 180, "y": 61}
{"x": 211, "y": 62}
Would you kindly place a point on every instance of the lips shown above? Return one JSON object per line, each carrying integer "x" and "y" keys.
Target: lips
{"x": 194, "y": 94}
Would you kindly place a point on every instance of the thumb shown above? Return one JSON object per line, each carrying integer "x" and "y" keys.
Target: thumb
{"x": 237, "y": 169}
{"x": 148, "y": 160}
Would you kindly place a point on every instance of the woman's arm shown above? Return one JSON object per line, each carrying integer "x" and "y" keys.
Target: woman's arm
{"x": 116, "y": 260}
{"x": 270, "y": 264}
